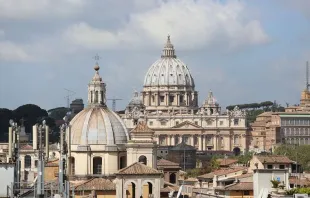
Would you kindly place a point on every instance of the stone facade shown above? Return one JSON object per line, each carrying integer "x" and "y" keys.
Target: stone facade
{"x": 168, "y": 104}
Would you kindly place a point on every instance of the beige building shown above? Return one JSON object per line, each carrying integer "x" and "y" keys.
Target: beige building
{"x": 264, "y": 132}
{"x": 169, "y": 104}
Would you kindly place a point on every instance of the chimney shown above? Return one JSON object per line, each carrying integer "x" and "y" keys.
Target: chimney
{"x": 35, "y": 137}
{"x": 46, "y": 142}
{"x": 10, "y": 143}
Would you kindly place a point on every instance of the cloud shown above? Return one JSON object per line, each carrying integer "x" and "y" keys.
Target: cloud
{"x": 16, "y": 9}
{"x": 192, "y": 24}
{"x": 10, "y": 51}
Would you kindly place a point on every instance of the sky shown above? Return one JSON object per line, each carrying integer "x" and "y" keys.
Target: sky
{"x": 244, "y": 51}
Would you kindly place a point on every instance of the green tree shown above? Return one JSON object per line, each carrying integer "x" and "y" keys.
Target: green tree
{"x": 245, "y": 158}
{"x": 58, "y": 113}
{"x": 214, "y": 163}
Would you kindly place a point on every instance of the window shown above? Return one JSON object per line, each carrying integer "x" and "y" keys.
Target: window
{"x": 281, "y": 166}
{"x": 36, "y": 163}
{"x": 151, "y": 123}
{"x": 181, "y": 99}
{"x": 163, "y": 123}
{"x": 97, "y": 165}
{"x": 171, "y": 99}
{"x": 162, "y": 98}
{"x": 246, "y": 192}
{"x": 177, "y": 122}
{"x": 143, "y": 159}
{"x": 236, "y": 121}
{"x": 209, "y": 140}
{"x": 236, "y": 140}
{"x": 162, "y": 140}
{"x": 269, "y": 166}
{"x": 27, "y": 161}
{"x": 221, "y": 123}
{"x": 153, "y": 98}
{"x": 196, "y": 122}
{"x": 209, "y": 122}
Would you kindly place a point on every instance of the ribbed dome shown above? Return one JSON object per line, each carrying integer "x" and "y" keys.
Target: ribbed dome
{"x": 169, "y": 70}
{"x": 98, "y": 125}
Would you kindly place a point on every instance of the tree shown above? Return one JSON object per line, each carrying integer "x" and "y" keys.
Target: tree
{"x": 294, "y": 152}
{"x": 58, "y": 113}
{"x": 5, "y": 116}
{"x": 214, "y": 163}
{"x": 30, "y": 113}
{"x": 245, "y": 158}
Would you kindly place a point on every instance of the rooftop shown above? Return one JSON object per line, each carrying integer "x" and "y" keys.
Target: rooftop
{"x": 274, "y": 159}
{"x": 96, "y": 184}
{"x": 167, "y": 164}
{"x": 138, "y": 169}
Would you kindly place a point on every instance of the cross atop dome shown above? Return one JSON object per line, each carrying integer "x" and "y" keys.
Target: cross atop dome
{"x": 97, "y": 58}
{"x": 168, "y": 51}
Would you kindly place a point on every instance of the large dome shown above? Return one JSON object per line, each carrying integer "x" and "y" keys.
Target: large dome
{"x": 98, "y": 125}
{"x": 169, "y": 70}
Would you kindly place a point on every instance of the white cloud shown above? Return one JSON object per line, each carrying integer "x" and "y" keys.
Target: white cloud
{"x": 10, "y": 51}
{"x": 20, "y": 9}
{"x": 192, "y": 24}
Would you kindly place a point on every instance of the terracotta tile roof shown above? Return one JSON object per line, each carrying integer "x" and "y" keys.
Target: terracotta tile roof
{"x": 26, "y": 147}
{"x": 244, "y": 175}
{"x": 52, "y": 163}
{"x": 222, "y": 171}
{"x": 227, "y": 162}
{"x": 138, "y": 169}
{"x": 168, "y": 189}
{"x": 96, "y": 184}
{"x": 301, "y": 181}
{"x": 239, "y": 186}
{"x": 273, "y": 159}
{"x": 167, "y": 164}
{"x": 268, "y": 113}
{"x": 142, "y": 127}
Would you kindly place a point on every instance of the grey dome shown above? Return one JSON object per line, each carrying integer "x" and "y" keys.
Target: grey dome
{"x": 169, "y": 70}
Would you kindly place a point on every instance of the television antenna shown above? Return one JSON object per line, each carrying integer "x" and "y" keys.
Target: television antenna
{"x": 68, "y": 96}
{"x": 307, "y": 76}
{"x": 114, "y": 102}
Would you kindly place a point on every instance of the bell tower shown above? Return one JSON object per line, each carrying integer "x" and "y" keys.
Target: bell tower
{"x": 141, "y": 147}
{"x": 96, "y": 88}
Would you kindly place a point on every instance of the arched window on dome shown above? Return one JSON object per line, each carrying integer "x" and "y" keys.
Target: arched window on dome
{"x": 96, "y": 97}
{"x": 91, "y": 96}
{"x": 143, "y": 159}
{"x": 97, "y": 165}
{"x": 101, "y": 98}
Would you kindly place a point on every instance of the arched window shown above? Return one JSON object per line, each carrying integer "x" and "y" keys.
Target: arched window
{"x": 150, "y": 188}
{"x": 27, "y": 161}
{"x": 101, "y": 97}
{"x": 143, "y": 159}
{"x": 91, "y": 96}
{"x": 96, "y": 97}
{"x": 72, "y": 166}
{"x": 122, "y": 162}
{"x": 97, "y": 165}
{"x": 172, "y": 178}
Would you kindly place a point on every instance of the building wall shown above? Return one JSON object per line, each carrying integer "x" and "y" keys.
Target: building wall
{"x": 100, "y": 194}
{"x": 240, "y": 194}
{"x": 7, "y": 178}
{"x": 50, "y": 173}
{"x": 295, "y": 129}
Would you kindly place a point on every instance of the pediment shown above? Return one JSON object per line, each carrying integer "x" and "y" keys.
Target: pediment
{"x": 187, "y": 125}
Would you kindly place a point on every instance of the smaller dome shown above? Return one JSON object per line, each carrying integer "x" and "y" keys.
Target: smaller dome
{"x": 136, "y": 100}
{"x": 98, "y": 125}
